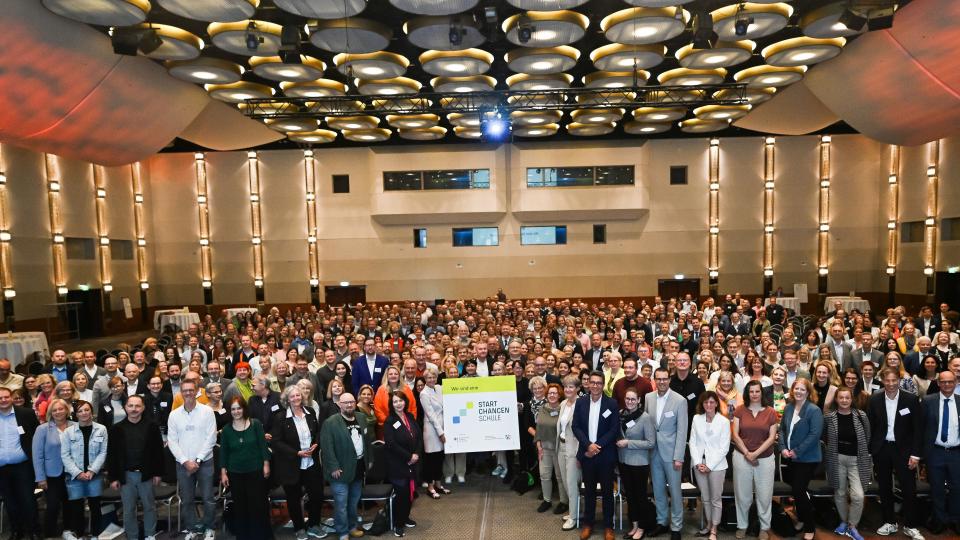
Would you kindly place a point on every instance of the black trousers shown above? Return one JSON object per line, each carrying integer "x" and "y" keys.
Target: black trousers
{"x": 889, "y": 462}
{"x": 432, "y": 470}
{"x": 594, "y": 472}
{"x": 633, "y": 484}
{"x": 16, "y": 489}
{"x": 402, "y": 503}
{"x": 56, "y": 499}
{"x": 311, "y": 482}
{"x": 74, "y": 516}
{"x": 800, "y": 475}
{"x": 251, "y": 508}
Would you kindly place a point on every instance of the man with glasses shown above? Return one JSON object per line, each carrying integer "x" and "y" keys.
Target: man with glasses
{"x": 345, "y": 454}
{"x": 191, "y": 434}
{"x": 942, "y": 451}
{"x": 669, "y": 412}
{"x": 596, "y": 425}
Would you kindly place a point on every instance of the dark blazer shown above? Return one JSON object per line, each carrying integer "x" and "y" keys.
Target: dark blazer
{"x": 361, "y": 375}
{"x": 608, "y": 430}
{"x": 805, "y": 438}
{"x": 105, "y": 416}
{"x": 265, "y": 411}
{"x": 158, "y": 408}
{"x": 27, "y": 420}
{"x": 907, "y": 427}
{"x": 286, "y": 443}
{"x": 932, "y": 419}
{"x": 71, "y": 369}
{"x": 400, "y": 444}
{"x": 912, "y": 360}
{"x": 588, "y": 358}
{"x": 153, "y": 452}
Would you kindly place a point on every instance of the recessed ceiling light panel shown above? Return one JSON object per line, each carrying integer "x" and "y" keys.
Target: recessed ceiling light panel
{"x": 317, "y": 136}
{"x": 205, "y": 70}
{"x": 546, "y": 5}
{"x": 824, "y": 22}
{"x": 388, "y": 87}
{"x": 456, "y": 63}
{"x": 640, "y": 26}
{"x": 292, "y": 124}
{"x": 350, "y": 35}
{"x": 366, "y": 135}
{"x": 769, "y": 76}
{"x": 234, "y": 37}
{"x": 657, "y": 3}
{"x": 721, "y": 112}
{"x": 754, "y": 96}
{"x": 590, "y": 130}
{"x": 767, "y": 19}
{"x": 422, "y": 134}
{"x": 375, "y": 65}
{"x": 101, "y": 12}
{"x": 434, "y": 7}
{"x": 352, "y": 122}
{"x": 539, "y": 29}
{"x": 435, "y": 33}
{"x": 464, "y": 119}
{"x": 475, "y": 83}
{"x": 645, "y": 128}
{"x": 542, "y": 60}
{"x": 620, "y": 57}
{"x": 412, "y": 121}
{"x": 322, "y": 9}
{"x": 723, "y": 54}
{"x": 658, "y": 114}
{"x": 535, "y": 118}
{"x": 597, "y": 116}
{"x": 273, "y": 68}
{"x": 802, "y": 51}
{"x": 545, "y": 130}
{"x": 554, "y": 81}
{"x": 239, "y": 92}
{"x": 692, "y": 77}
{"x": 177, "y": 44}
{"x": 615, "y": 79}
{"x": 696, "y": 125}
{"x": 468, "y": 132}
{"x": 313, "y": 89}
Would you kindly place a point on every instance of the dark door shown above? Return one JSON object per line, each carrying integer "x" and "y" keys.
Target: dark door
{"x": 339, "y": 296}
{"x": 948, "y": 290}
{"x": 678, "y": 288}
{"x": 90, "y": 312}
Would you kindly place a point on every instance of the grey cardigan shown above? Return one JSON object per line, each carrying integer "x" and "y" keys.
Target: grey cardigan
{"x": 641, "y": 438}
{"x": 861, "y": 425}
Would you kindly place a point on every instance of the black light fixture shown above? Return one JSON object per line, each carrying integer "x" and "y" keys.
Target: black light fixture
{"x": 852, "y": 20}
{"x": 131, "y": 41}
{"x": 880, "y": 22}
{"x": 289, "y": 44}
{"x": 456, "y": 33}
{"x": 253, "y": 38}
{"x": 524, "y": 29}
{"x": 703, "y": 35}
{"x": 742, "y": 22}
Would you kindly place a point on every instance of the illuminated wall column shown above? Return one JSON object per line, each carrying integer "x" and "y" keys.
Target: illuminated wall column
{"x": 713, "y": 249}
{"x": 103, "y": 235}
{"x": 893, "y": 225}
{"x": 823, "y": 236}
{"x": 930, "y": 223}
{"x": 52, "y": 176}
{"x": 206, "y": 260}
{"x": 313, "y": 256}
{"x": 140, "y": 232}
{"x": 253, "y": 172}
{"x": 768, "y": 184}
{"x": 6, "y": 266}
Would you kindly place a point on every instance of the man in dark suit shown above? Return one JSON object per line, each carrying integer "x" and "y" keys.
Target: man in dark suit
{"x": 866, "y": 352}
{"x": 775, "y": 312}
{"x": 941, "y": 441}
{"x": 596, "y": 425}
{"x": 925, "y": 323}
{"x": 914, "y": 359}
{"x": 896, "y": 425}
{"x": 842, "y": 352}
{"x": 17, "y": 425}
{"x": 369, "y": 367}
{"x": 594, "y": 355}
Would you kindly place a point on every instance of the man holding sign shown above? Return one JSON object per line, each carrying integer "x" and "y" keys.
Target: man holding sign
{"x": 596, "y": 424}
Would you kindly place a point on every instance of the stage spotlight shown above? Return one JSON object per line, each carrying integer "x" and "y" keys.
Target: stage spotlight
{"x": 743, "y": 21}
{"x": 254, "y": 39}
{"x": 495, "y": 126}
{"x": 880, "y": 23}
{"x": 289, "y": 44}
{"x": 703, "y": 35}
{"x": 130, "y": 41}
{"x": 524, "y": 30}
{"x": 456, "y": 34}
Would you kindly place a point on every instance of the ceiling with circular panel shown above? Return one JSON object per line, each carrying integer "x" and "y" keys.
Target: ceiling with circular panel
{"x": 555, "y": 69}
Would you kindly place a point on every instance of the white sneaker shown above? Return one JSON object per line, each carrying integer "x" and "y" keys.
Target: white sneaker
{"x": 461, "y": 479}
{"x": 497, "y": 471}
{"x": 68, "y": 535}
{"x": 887, "y": 529}
{"x": 190, "y": 536}
{"x": 448, "y": 480}
{"x": 568, "y": 525}
{"x": 209, "y": 534}
{"x": 912, "y": 533}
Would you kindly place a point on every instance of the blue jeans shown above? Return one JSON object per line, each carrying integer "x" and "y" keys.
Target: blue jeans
{"x": 189, "y": 485}
{"x": 345, "y": 499}
{"x": 133, "y": 489}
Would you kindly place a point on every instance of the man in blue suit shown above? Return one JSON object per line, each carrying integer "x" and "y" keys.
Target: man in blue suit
{"x": 368, "y": 368}
{"x": 596, "y": 425}
{"x": 941, "y": 449}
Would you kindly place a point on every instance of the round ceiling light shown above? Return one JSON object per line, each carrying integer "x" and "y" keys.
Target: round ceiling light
{"x": 645, "y": 128}
{"x": 615, "y": 79}
{"x": 545, "y": 130}
{"x": 292, "y": 124}
{"x": 101, "y": 12}
{"x": 535, "y": 118}
{"x": 597, "y": 116}
{"x": 802, "y": 51}
{"x": 464, "y": 119}
{"x": 356, "y": 123}
{"x": 177, "y": 44}
{"x": 350, "y": 35}
{"x": 606, "y": 98}
{"x": 273, "y": 68}
{"x": 422, "y": 134}
{"x": 468, "y": 132}
{"x": 412, "y": 121}
{"x": 435, "y": 32}
{"x": 721, "y": 112}
{"x": 723, "y": 54}
{"x": 696, "y": 125}
{"x": 234, "y": 37}
{"x": 692, "y": 77}
{"x": 754, "y": 96}
{"x": 317, "y": 136}
{"x": 475, "y": 83}
{"x": 824, "y": 22}
{"x": 649, "y": 115}
{"x": 205, "y": 70}
{"x": 239, "y": 91}
{"x": 767, "y": 19}
{"x": 456, "y": 63}
{"x": 767, "y": 76}
{"x": 640, "y": 26}
{"x": 388, "y": 87}
{"x": 541, "y": 29}
{"x": 322, "y": 9}
{"x": 551, "y": 81}
{"x": 212, "y": 10}
{"x": 657, "y": 3}
{"x": 366, "y": 135}
{"x": 434, "y": 7}
{"x": 590, "y": 130}
{"x": 375, "y": 65}
{"x": 546, "y": 5}
{"x": 619, "y": 57}
{"x": 313, "y": 89}
{"x": 542, "y": 60}
{"x": 401, "y": 104}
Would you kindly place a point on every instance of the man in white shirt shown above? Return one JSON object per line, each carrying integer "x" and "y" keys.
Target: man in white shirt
{"x": 191, "y": 434}
{"x": 942, "y": 452}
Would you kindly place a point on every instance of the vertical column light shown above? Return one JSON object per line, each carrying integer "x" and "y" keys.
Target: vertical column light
{"x": 823, "y": 236}
{"x": 140, "y": 233}
{"x": 253, "y": 172}
{"x": 930, "y": 223}
{"x": 206, "y": 263}
{"x": 52, "y": 175}
{"x": 6, "y": 273}
{"x": 713, "y": 258}
{"x": 893, "y": 216}
{"x": 313, "y": 261}
{"x": 102, "y": 233}
{"x": 768, "y": 184}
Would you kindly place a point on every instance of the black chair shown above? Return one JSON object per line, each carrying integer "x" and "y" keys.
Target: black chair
{"x": 376, "y": 487}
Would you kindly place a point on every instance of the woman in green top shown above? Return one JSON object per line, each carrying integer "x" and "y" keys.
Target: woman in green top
{"x": 245, "y": 463}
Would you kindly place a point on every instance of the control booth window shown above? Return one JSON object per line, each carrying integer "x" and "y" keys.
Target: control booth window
{"x": 476, "y": 236}
{"x": 607, "y": 175}
{"x": 548, "y": 235}
{"x": 442, "y": 179}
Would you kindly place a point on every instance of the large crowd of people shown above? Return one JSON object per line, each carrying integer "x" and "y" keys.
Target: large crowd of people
{"x": 635, "y": 397}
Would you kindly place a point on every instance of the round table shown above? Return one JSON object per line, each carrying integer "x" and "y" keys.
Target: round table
{"x": 789, "y": 302}
{"x": 17, "y": 346}
{"x": 849, "y": 303}
{"x": 181, "y": 320}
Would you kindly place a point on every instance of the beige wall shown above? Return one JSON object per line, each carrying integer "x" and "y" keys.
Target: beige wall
{"x": 654, "y": 230}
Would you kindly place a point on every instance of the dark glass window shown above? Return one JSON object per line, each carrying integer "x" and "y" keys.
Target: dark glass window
{"x": 419, "y": 238}
{"x": 402, "y": 180}
{"x": 121, "y": 250}
{"x": 80, "y": 248}
{"x": 445, "y": 179}
{"x": 606, "y": 175}
{"x": 341, "y": 183}
{"x": 950, "y": 229}
{"x": 678, "y": 175}
{"x": 476, "y": 236}
{"x": 616, "y": 175}
{"x": 911, "y": 232}
{"x": 600, "y": 233}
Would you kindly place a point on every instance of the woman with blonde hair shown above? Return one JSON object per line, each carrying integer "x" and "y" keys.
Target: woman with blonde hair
{"x": 728, "y": 397}
{"x": 392, "y": 380}
{"x": 47, "y": 385}
{"x": 800, "y": 429}
{"x": 893, "y": 360}
{"x": 825, "y": 382}
{"x": 48, "y": 465}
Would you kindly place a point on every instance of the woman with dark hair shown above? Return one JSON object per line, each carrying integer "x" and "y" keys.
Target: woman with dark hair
{"x": 111, "y": 409}
{"x": 245, "y": 464}
{"x": 709, "y": 444}
{"x": 755, "y": 425}
{"x": 402, "y": 439}
{"x": 851, "y": 380}
{"x": 342, "y": 370}
{"x": 799, "y": 442}
{"x": 296, "y": 460}
{"x": 846, "y": 431}
{"x": 926, "y": 379}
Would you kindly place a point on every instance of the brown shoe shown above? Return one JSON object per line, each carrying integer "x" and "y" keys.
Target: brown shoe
{"x": 585, "y": 532}
{"x": 357, "y": 533}
{"x": 608, "y": 534}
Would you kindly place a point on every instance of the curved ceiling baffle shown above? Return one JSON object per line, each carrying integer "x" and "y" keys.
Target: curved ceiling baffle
{"x": 792, "y": 111}
{"x": 64, "y": 91}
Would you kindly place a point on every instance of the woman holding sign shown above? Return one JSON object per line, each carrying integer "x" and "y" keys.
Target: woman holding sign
{"x": 402, "y": 442}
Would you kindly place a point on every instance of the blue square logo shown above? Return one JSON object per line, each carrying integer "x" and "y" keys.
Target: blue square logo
{"x": 456, "y": 419}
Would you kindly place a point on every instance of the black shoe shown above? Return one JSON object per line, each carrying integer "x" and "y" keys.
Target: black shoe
{"x": 935, "y": 527}
{"x": 674, "y": 535}
{"x": 544, "y": 506}
{"x": 656, "y": 531}
{"x": 398, "y": 532}
{"x": 508, "y": 479}
{"x": 409, "y": 523}
{"x": 561, "y": 509}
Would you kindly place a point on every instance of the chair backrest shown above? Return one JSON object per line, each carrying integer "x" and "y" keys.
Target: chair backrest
{"x": 377, "y": 474}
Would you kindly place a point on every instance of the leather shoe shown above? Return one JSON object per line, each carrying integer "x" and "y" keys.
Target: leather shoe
{"x": 585, "y": 532}
{"x": 674, "y": 535}
{"x": 608, "y": 534}
{"x": 656, "y": 531}
{"x": 935, "y": 527}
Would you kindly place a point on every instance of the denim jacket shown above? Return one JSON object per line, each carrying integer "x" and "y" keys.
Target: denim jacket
{"x": 71, "y": 449}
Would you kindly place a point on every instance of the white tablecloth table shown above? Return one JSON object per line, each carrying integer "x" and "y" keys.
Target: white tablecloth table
{"x": 161, "y": 312}
{"x": 182, "y": 320}
{"x": 790, "y": 302}
{"x": 241, "y": 311}
{"x": 18, "y": 345}
{"x": 849, "y": 303}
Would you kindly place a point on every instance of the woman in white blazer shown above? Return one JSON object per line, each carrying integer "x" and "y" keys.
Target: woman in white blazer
{"x": 431, "y": 399}
{"x": 709, "y": 445}
{"x": 567, "y": 445}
